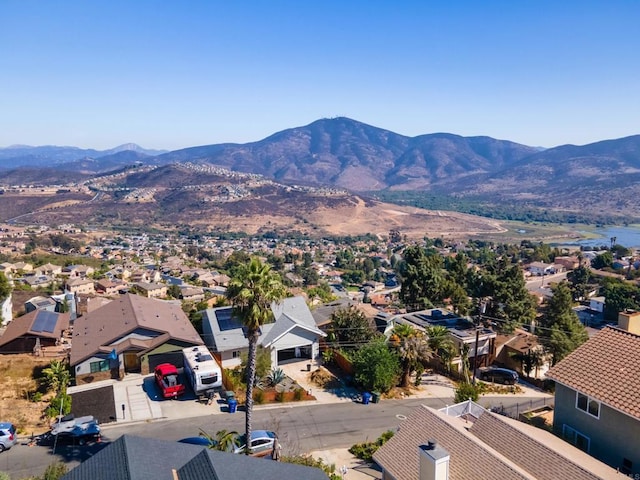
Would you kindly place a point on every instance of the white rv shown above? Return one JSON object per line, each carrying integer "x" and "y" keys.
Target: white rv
{"x": 202, "y": 370}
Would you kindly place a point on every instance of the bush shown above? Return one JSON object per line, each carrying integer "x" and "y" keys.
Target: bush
{"x": 36, "y": 397}
{"x": 298, "y": 394}
{"x": 53, "y": 409}
{"x": 279, "y": 396}
{"x": 258, "y": 396}
{"x": 312, "y": 462}
{"x": 365, "y": 451}
{"x": 466, "y": 391}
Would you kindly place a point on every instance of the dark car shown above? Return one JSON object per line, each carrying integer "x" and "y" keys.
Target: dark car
{"x": 205, "y": 442}
{"x": 499, "y": 375}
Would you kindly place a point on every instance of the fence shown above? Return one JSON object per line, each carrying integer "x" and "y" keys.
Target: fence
{"x": 514, "y": 411}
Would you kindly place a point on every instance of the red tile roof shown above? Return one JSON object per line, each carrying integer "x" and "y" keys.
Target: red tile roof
{"x": 607, "y": 367}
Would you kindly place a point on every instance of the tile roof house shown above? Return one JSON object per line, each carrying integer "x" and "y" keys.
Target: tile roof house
{"x": 139, "y": 458}
{"x": 80, "y": 285}
{"x": 597, "y": 395}
{"x": 129, "y": 334}
{"x": 293, "y": 333}
{"x": 467, "y": 442}
{"x": 36, "y": 329}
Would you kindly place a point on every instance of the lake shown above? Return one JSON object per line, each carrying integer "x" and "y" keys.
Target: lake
{"x": 625, "y": 236}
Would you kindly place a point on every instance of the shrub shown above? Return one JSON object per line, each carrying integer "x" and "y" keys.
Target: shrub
{"x": 279, "y": 396}
{"x": 36, "y": 397}
{"x": 365, "y": 451}
{"x": 298, "y": 394}
{"x": 4, "y": 476}
{"x": 466, "y": 391}
{"x": 276, "y": 376}
{"x": 258, "y": 396}
{"x": 312, "y": 462}
{"x": 63, "y": 401}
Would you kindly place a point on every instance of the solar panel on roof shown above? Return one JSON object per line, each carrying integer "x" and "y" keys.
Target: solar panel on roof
{"x": 226, "y": 321}
{"x": 45, "y": 321}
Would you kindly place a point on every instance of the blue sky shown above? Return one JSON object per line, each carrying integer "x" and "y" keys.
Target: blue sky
{"x": 168, "y": 75}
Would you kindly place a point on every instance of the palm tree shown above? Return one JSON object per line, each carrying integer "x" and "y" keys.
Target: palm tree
{"x": 57, "y": 376}
{"x": 412, "y": 348}
{"x": 251, "y": 292}
{"x": 224, "y": 441}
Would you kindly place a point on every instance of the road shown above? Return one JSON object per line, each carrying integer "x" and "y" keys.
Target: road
{"x": 302, "y": 428}
{"x": 540, "y": 285}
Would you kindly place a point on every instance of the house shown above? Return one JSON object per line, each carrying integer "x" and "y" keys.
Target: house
{"x": 192, "y": 294}
{"x": 462, "y": 332}
{"x": 40, "y": 303}
{"x": 140, "y": 458}
{"x": 521, "y": 349}
{"x": 597, "y": 304}
{"x": 569, "y": 262}
{"x": 108, "y": 287}
{"x": 34, "y": 330}
{"x": 131, "y": 334}
{"x": 467, "y": 442}
{"x": 48, "y": 269}
{"x": 80, "y": 285}
{"x": 293, "y": 334}
{"x": 152, "y": 290}
{"x": 78, "y": 271}
{"x": 597, "y": 395}
{"x": 540, "y": 268}
{"x": 38, "y": 281}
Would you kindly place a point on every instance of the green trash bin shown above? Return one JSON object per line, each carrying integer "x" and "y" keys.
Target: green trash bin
{"x": 375, "y": 397}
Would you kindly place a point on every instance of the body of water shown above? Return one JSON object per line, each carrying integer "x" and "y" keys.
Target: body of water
{"x": 625, "y": 236}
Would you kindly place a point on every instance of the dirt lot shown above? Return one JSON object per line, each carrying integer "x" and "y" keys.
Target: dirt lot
{"x": 17, "y": 385}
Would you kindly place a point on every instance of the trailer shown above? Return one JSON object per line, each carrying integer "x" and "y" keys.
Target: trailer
{"x": 202, "y": 371}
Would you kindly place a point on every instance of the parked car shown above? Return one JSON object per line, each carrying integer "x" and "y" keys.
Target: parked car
{"x": 168, "y": 381}
{"x": 8, "y": 437}
{"x": 499, "y": 375}
{"x": 69, "y": 429}
{"x": 262, "y": 442}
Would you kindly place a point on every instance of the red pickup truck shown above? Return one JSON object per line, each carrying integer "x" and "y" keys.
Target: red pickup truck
{"x": 167, "y": 380}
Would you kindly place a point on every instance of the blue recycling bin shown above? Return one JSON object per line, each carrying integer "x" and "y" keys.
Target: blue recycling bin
{"x": 366, "y": 398}
{"x": 233, "y": 405}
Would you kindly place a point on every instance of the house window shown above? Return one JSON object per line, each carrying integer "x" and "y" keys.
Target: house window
{"x": 236, "y": 354}
{"x": 588, "y": 404}
{"x": 576, "y": 438}
{"x": 101, "y": 366}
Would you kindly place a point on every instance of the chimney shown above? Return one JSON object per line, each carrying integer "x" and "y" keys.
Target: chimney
{"x": 629, "y": 320}
{"x": 434, "y": 462}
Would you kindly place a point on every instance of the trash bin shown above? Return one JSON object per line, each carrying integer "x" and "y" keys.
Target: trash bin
{"x": 375, "y": 397}
{"x": 233, "y": 405}
{"x": 366, "y": 397}
{"x": 308, "y": 367}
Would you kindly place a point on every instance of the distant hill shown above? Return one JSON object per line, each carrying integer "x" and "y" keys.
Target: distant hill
{"x": 602, "y": 177}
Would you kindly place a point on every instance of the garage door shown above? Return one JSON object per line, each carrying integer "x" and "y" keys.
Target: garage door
{"x": 174, "y": 358}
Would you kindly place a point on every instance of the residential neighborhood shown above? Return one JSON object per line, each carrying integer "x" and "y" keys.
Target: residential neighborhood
{"x": 381, "y": 321}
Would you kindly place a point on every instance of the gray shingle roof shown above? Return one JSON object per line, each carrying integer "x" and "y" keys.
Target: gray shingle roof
{"x": 139, "y": 458}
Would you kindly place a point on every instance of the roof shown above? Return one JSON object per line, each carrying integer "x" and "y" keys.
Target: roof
{"x": 37, "y": 323}
{"x": 290, "y": 313}
{"x": 492, "y": 446}
{"x": 108, "y": 323}
{"x": 607, "y": 368}
{"x": 139, "y": 458}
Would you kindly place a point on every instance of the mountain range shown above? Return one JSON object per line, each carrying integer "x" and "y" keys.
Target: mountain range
{"x": 602, "y": 177}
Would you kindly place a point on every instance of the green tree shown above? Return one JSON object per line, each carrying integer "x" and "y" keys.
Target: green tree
{"x": 252, "y": 291}
{"x": 561, "y": 331}
{"x": 620, "y": 296}
{"x": 512, "y": 302}
{"x": 376, "y": 368}
{"x": 224, "y": 440}
{"x": 57, "y": 376}
{"x": 604, "y": 260}
{"x": 579, "y": 282}
{"x": 350, "y": 328}
{"x": 423, "y": 280}
{"x": 412, "y": 348}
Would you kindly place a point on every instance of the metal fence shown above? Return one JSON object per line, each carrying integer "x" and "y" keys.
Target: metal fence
{"x": 514, "y": 411}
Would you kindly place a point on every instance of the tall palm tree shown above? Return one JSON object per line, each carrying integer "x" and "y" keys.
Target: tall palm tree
{"x": 251, "y": 292}
{"x": 412, "y": 348}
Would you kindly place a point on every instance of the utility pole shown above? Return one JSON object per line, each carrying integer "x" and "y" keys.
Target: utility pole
{"x": 481, "y": 307}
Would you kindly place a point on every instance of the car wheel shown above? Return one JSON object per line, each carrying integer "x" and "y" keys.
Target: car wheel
{"x": 2, "y": 448}
{"x": 82, "y": 441}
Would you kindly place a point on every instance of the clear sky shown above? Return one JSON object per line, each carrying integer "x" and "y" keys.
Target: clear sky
{"x": 172, "y": 74}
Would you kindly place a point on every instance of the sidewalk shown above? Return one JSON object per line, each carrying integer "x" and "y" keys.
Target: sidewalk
{"x": 353, "y": 468}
